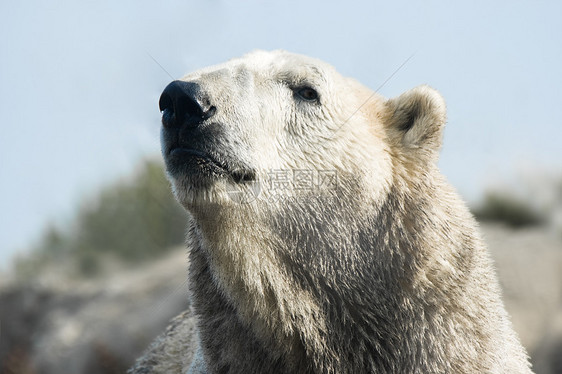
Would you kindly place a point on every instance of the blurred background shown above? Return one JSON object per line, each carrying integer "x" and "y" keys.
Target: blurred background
{"x": 92, "y": 264}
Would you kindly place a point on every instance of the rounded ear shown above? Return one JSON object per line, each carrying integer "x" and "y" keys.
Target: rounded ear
{"x": 415, "y": 121}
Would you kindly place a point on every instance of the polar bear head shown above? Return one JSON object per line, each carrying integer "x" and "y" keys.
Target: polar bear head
{"x": 279, "y": 114}
{"x": 381, "y": 271}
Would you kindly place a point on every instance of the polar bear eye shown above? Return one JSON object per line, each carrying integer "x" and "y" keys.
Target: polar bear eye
{"x": 307, "y": 93}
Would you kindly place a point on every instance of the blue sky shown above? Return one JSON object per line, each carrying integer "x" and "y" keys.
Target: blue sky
{"x": 79, "y": 88}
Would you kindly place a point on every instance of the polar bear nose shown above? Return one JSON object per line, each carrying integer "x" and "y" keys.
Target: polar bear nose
{"x": 183, "y": 103}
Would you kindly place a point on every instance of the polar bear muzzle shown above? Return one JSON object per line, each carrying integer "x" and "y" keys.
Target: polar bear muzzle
{"x": 188, "y": 147}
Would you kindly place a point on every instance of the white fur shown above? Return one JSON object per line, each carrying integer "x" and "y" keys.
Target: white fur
{"x": 386, "y": 273}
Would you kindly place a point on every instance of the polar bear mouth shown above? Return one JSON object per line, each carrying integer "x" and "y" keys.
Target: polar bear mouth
{"x": 187, "y": 152}
{"x": 182, "y": 161}
{"x": 179, "y": 155}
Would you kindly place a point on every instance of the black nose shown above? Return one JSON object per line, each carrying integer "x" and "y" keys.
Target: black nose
{"x": 184, "y": 103}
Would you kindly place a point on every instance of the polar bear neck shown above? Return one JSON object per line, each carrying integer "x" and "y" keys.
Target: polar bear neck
{"x": 296, "y": 275}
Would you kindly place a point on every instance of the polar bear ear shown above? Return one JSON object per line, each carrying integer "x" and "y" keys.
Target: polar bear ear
{"x": 415, "y": 120}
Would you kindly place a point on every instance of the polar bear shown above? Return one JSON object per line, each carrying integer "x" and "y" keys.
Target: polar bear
{"x": 322, "y": 236}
